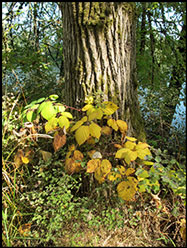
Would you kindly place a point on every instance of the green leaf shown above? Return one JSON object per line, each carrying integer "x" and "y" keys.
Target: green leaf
{"x": 31, "y": 115}
{"x": 53, "y": 97}
{"x": 48, "y": 111}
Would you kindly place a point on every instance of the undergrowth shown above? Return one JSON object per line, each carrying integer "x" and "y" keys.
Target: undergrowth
{"x": 62, "y": 178}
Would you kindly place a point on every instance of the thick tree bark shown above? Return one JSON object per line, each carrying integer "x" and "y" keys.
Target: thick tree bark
{"x": 99, "y": 57}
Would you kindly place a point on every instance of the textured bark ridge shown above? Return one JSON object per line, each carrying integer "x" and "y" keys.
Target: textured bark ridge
{"x": 99, "y": 56}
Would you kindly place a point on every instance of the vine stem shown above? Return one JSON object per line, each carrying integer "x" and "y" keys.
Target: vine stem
{"x": 72, "y": 108}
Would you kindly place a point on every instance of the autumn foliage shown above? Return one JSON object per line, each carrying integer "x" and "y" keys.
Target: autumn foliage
{"x": 87, "y": 132}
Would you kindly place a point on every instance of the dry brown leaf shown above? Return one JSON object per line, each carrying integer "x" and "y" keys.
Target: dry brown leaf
{"x": 59, "y": 141}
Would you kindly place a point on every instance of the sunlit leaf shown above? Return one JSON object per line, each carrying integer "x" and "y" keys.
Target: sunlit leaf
{"x": 90, "y": 153}
{"x": 109, "y": 108}
{"x": 129, "y": 171}
{"x": 51, "y": 124}
{"x": 63, "y": 122}
{"x": 25, "y": 160}
{"x": 53, "y": 97}
{"x": 86, "y": 107}
{"x": 130, "y": 145}
{"x": 122, "y": 126}
{"x": 144, "y": 174}
{"x": 143, "y": 153}
{"x": 97, "y": 114}
{"x": 59, "y": 108}
{"x": 141, "y": 145}
{"x": 67, "y": 114}
{"x": 112, "y": 176}
{"x": 121, "y": 169}
{"x": 121, "y": 153}
{"x": 112, "y": 123}
{"x": 130, "y": 156}
{"x": 76, "y": 126}
{"x": 82, "y": 134}
{"x": 79, "y": 123}
{"x": 98, "y": 175}
{"x": 89, "y": 99}
{"x": 48, "y": 111}
{"x": 92, "y": 165}
{"x": 130, "y": 138}
{"x": 127, "y": 189}
{"x": 95, "y": 130}
{"x": 31, "y": 115}
{"x": 105, "y": 167}
{"x": 148, "y": 162}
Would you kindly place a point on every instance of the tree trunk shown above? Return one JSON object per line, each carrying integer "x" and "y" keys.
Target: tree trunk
{"x": 99, "y": 57}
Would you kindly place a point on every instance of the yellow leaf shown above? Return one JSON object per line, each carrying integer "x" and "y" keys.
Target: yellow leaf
{"x": 72, "y": 148}
{"x": 76, "y": 126}
{"x": 63, "y": 122}
{"x": 127, "y": 189}
{"x": 143, "y": 153}
{"x": 46, "y": 155}
{"x": 86, "y": 107}
{"x": 82, "y": 134}
{"x": 121, "y": 169}
{"x": 122, "y": 126}
{"x": 67, "y": 114}
{"x": 112, "y": 123}
{"x": 25, "y": 160}
{"x": 98, "y": 175}
{"x": 109, "y": 108}
{"x": 130, "y": 156}
{"x": 84, "y": 119}
{"x": 105, "y": 167}
{"x": 130, "y": 145}
{"x": 112, "y": 176}
{"x": 90, "y": 153}
{"x": 95, "y": 130}
{"x": 121, "y": 153}
{"x": 97, "y": 114}
{"x": 129, "y": 171}
{"x": 51, "y": 124}
{"x": 106, "y": 130}
{"x": 78, "y": 155}
{"x": 89, "y": 99}
{"x": 148, "y": 162}
{"x": 92, "y": 165}
{"x": 141, "y": 145}
{"x": 130, "y": 138}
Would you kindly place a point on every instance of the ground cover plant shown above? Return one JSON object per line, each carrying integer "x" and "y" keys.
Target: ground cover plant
{"x": 65, "y": 180}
